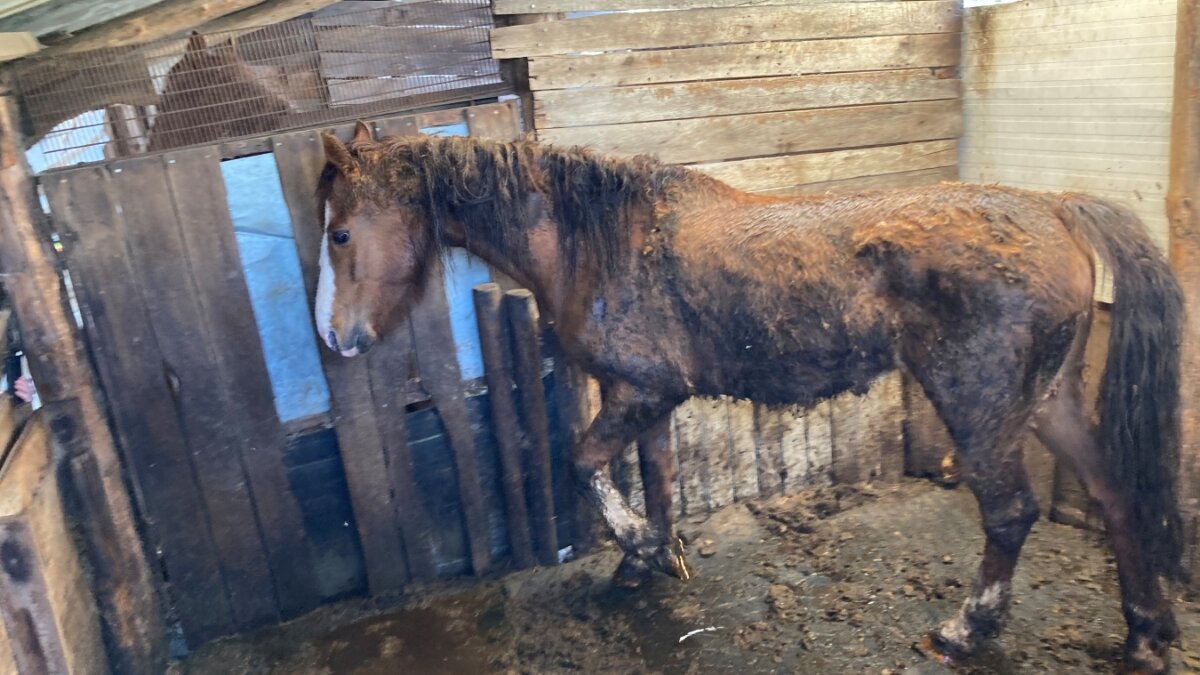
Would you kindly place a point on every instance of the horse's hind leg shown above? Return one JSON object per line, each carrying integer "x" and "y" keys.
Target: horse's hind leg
{"x": 1063, "y": 425}
{"x": 979, "y": 386}
{"x": 995, "y": 473}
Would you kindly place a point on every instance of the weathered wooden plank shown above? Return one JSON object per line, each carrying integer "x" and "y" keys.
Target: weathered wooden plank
{"x": 499, "y": 121}
{"x": 818, "y": 441}
{"x": 299, "y": 158}
{"x": 718, "y": 464}
{"x": 798, "y": 464}
{"x": 691, "y": 443}
{"x": 521, "y": 311}
{"x": 754, "y": 59}
{"x": 158, "y": 20}
{"x": 542, "y": 6}
{"x": 610, "y": 32}
{"x": 244, "y": 385}
{"x": 777, "y": 173}
{"x": 574, "y": 417}
{"x": 159, "y": 259}
{"x": 45, "y": 602}
{"x": 885, "y": 181}
{"x": 145, "y": 415}
{"x": 743, "y": 449}
{"x": 768, "y": 441}
{"x": 494, "y": 342}
{"x": 388, "y": 364}
{"x": 584, "y": 107}
{"x": 391, "y": 13}
{"x": 741, "y": 136}
{"x": 67, "y": 16}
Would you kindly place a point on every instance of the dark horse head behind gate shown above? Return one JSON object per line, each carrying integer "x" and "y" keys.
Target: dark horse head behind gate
{"x": 665, "y": 284}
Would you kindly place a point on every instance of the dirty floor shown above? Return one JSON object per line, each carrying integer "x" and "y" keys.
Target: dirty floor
{"x": 836, "y": 580}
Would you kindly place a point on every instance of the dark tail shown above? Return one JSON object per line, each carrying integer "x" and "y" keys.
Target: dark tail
{"x": 1139, "y": 396}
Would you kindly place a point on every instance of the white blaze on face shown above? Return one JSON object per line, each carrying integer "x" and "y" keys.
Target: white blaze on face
{"x": 325, "y": 289}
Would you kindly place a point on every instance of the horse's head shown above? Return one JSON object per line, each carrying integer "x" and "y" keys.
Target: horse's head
{"x": 377, "y": 248}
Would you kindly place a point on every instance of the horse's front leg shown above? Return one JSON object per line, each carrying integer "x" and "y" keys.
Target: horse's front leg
{"x": 625, "y": 413}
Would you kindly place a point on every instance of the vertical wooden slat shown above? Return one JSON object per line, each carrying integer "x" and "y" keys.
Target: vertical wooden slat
{"x": 521, "y": 311}
{"x": 244, "y": 386}
{"x": 1184, "y": 251}
{"x": 158, "y": 258}
{"x": 718, "y": 453}
{"x": 494, "y": 341}
{"x": 388, "y": 368}
{"x": 744, "y": 450}
{"x": 768, "y": 441}
{"x": 25, "y": 605}
{"x": 574, "y": 416}
{"x": 818, "y": 444}
{"x": 798, "y": 461}
{"x": 299, "y": 158}
{"x": 688, "y": 430}
{"x": 145, "y": 416}
{"x": 437, "y": 361}
{"x": 868, "y": 433}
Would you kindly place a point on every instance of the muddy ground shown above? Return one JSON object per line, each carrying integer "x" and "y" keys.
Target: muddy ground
{"x": 837, "y": 580}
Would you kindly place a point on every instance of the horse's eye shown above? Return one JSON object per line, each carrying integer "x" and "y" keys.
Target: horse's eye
{"x": 340, "y": 237}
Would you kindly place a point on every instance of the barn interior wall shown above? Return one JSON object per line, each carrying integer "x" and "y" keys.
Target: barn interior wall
{"x": 1072, "y": 95}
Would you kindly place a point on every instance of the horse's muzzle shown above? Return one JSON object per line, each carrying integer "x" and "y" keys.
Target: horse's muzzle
{"x": 358, "y": 342}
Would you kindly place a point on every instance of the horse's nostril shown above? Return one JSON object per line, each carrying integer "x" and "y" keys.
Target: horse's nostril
{"x": 332, "y": 340}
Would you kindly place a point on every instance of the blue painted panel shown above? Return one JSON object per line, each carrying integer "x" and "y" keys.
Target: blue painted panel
{"x": 85, "y": 134}
{"x": 463, "y": 272}
{"x": 262, "y": 225}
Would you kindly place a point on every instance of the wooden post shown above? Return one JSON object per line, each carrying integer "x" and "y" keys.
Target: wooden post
{"x": 131, "y": 616}
{"x": 527, "y": 368}
{"x": 516, "y": 71}
{"x": 1183, "y": 210}
{"x": 493, "y": 338}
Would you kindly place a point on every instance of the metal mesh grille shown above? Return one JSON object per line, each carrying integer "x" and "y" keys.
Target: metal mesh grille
{"x": 352, "y": 59}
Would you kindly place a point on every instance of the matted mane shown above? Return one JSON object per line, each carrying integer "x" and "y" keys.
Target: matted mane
{"x": 485, "y": 184}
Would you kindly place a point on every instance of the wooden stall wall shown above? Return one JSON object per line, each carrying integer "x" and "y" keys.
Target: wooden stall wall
{"x": 784, "y": 97}
{"x": 222, "y": 484}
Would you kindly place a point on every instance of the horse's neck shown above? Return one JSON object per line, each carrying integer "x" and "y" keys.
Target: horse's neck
{"x": 538, "y": 267}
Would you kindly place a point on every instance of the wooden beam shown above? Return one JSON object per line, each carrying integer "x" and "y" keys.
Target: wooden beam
{"x": 122, "y": 580}
{"x": 263, "y": 14}
{"x": 501, "y": 7}
{"x": 653, "y": 30}
{"x": 161, "y": 20}
{"x": 1183, "y": 211}
{"x": 70, "y": 16}
{"x": 17, "y": 45}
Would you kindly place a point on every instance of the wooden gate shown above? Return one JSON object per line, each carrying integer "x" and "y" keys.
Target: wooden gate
{"x": 152, "y": 254}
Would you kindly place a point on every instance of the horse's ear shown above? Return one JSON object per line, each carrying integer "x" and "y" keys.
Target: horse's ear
{"x": 363, "y": 132}
{"x": 337, "y": 154}
{"x": 195, "y": 42}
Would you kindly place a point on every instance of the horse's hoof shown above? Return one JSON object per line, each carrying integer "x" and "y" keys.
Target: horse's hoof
{"x": 672, "y": 558}
{"x": 934, "y": 648}
{"x": 632, "y": 573}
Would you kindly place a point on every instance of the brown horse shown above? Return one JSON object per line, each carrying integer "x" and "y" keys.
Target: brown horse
{"x": 663, "y": 283}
